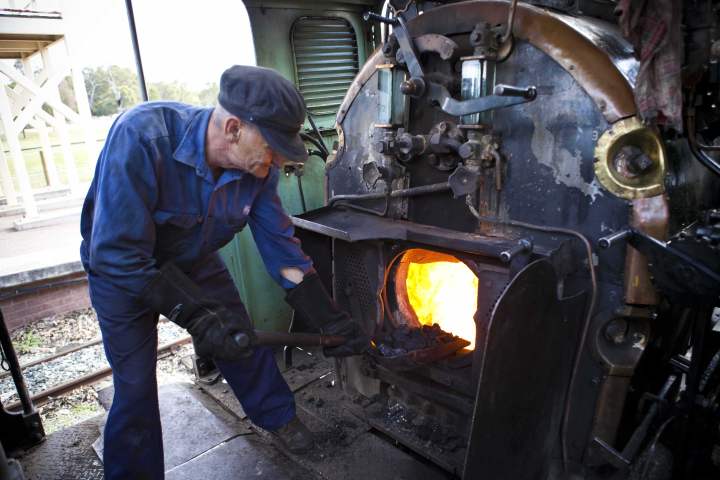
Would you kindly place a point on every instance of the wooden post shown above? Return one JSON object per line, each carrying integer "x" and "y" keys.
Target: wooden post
{"x": 11, "y": 134}
{"x": 51, "y": 174}
{"x": 61, "y": 126}
{"x": 83, "y": 104}
{"x": 7, "y": 184}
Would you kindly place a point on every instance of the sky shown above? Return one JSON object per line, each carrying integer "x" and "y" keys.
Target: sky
{"x": 180, "y": 40}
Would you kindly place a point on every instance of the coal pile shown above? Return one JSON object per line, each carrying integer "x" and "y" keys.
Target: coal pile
{"x": 406, "y": 339}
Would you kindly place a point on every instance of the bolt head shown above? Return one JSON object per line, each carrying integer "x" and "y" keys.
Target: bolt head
{"x": 407, "y": 87}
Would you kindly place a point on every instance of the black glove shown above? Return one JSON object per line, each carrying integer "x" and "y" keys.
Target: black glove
{"x": 311, "y": 299}
{"x": 213, "y": 327}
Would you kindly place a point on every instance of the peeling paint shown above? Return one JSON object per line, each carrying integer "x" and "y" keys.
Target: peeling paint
{"x": 565, "y": 164}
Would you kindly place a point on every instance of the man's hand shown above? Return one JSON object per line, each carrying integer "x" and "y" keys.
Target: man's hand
{"x": 213, "y": 328}
{"x": 211, "y": 325}
{"x": 311, "y": 299}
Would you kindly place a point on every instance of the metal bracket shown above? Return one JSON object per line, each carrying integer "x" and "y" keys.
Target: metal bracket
{"x": 418, "y": 85}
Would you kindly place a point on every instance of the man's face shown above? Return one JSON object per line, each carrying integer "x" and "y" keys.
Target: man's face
{"x": 248, "y": 151}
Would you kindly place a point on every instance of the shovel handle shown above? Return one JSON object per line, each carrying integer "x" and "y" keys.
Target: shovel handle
{"x": 272, "y": 339}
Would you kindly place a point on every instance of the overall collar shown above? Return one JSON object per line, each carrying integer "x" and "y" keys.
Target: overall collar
{"x": 191, "y": 149}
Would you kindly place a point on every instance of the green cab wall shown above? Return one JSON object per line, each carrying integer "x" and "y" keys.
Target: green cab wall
{"x": 271, "y": 23}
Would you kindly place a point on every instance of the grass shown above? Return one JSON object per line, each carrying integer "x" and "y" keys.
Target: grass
{"x": 30, "y": 144}
{"x": 27, "y": 341}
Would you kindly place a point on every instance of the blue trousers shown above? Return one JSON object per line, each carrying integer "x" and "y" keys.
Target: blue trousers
{"x": 133, "y": 446}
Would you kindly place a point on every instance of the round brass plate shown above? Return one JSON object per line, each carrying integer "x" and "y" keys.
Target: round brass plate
{"x": 630, "y": 131}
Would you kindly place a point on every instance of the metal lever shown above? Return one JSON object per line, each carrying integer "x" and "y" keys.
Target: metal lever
{"x": 502, "y": 90}
{"x": 614, "y": 238}
{"x": 367, "y": 16}
{"x": 418, "y": 86}
{"x": 523, "y": 245}
{"x": 273, "y": 339}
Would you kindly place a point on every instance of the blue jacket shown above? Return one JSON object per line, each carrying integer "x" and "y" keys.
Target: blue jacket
{"x": 154, "y": 199}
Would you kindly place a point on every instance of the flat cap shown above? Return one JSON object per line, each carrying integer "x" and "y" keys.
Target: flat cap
{"x": 269, "y": 101}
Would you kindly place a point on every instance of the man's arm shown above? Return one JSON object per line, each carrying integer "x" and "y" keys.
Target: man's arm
{"x": 274, "y": 236}
{"x": 290, "y": 267}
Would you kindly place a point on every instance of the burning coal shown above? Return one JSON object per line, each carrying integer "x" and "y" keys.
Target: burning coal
{"x": 405, "y": 339}
{"x": 437, "y": 289}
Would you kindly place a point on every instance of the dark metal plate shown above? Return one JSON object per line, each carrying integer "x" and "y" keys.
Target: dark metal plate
{"x": 523, "y": 374}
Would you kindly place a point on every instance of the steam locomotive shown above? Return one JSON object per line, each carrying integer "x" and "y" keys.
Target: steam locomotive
{"x": 504, "y": 174}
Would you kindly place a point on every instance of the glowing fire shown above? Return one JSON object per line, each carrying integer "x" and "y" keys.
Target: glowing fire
{"x": 442, "y": 290}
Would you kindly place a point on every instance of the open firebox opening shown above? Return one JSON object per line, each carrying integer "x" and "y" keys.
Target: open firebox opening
{"x": 436, "y": 288}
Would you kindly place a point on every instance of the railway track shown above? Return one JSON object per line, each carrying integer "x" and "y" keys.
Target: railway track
{"x": 84, "y": 364}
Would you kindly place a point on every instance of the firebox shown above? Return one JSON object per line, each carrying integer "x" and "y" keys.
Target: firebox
{"x": 456, "y": 319}
{"x": 433, "y": 289}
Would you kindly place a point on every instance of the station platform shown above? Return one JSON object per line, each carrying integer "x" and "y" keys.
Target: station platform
{"x": 207, "y": 435}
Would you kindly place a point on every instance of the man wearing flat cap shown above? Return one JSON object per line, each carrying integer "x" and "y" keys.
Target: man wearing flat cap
{"x": 173, "y": 184}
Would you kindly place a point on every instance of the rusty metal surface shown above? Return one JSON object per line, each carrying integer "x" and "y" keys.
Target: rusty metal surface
{"x": 650, "y": 216}
{"x": 361, "y": 78}
{"x": 601, "y": 73}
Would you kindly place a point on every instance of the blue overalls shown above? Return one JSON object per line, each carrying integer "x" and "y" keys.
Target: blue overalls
{"x": 153, "y": 199}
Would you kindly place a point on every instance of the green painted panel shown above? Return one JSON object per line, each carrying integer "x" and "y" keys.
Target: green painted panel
{"x": 271, "y": 22}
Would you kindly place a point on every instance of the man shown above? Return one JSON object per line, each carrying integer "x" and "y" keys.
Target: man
{"x": 173, "y": 184}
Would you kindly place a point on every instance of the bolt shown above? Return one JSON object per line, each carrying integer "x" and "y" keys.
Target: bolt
{"x": 407, "y": 87}
{"x": 615, "y": 331}
{"x": 630, "y": 161}
{"x": 466, "y": 151}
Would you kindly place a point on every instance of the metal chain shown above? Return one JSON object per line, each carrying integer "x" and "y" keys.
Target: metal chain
{"x": 3, "y": 361}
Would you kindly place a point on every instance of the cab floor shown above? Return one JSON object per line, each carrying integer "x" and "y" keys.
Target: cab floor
{"x": 207, "y": 435}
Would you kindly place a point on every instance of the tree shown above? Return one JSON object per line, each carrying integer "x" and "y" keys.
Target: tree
{"x": 208, "y": 95}
{"x": 111, "y": 89}
{"x": 114, "y": 89}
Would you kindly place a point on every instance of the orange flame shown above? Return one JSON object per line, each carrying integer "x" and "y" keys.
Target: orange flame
{"x": 443, "y": 291}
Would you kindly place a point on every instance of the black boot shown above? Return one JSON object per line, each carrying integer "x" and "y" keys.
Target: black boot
{"x": 294, "y": 437}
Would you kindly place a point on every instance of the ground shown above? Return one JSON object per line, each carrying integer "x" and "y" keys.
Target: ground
{"x": 55, "y": 334}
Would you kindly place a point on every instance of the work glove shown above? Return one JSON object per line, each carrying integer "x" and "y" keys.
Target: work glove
{"x": 216, "y": 331}
{"x": 311, "y": 299}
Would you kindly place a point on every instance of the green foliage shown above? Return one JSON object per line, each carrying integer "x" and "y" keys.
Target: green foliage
{"x": 111, "y": 89}
{"x": 114, "y": 89}
{"x": 208, "y": 95}
{"x": 27, "y": 341}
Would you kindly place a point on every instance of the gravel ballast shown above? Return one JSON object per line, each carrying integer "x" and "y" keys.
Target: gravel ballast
{"x": 54, "y": 334}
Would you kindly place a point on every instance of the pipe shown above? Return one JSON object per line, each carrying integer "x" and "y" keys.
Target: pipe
{"x": 613, "y": 238}
{"x": 12, "y": 360}
{"x": 136, "y": 50}
{"x": 302, "y": 193}
{"x": 275, "y": 339}
{"x": 407, "y": 192}
{"x": 511, "y": 21}
{"x": 324, "y": 149}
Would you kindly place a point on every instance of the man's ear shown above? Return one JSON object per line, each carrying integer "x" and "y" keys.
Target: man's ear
{"x": 233, "y": 128}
